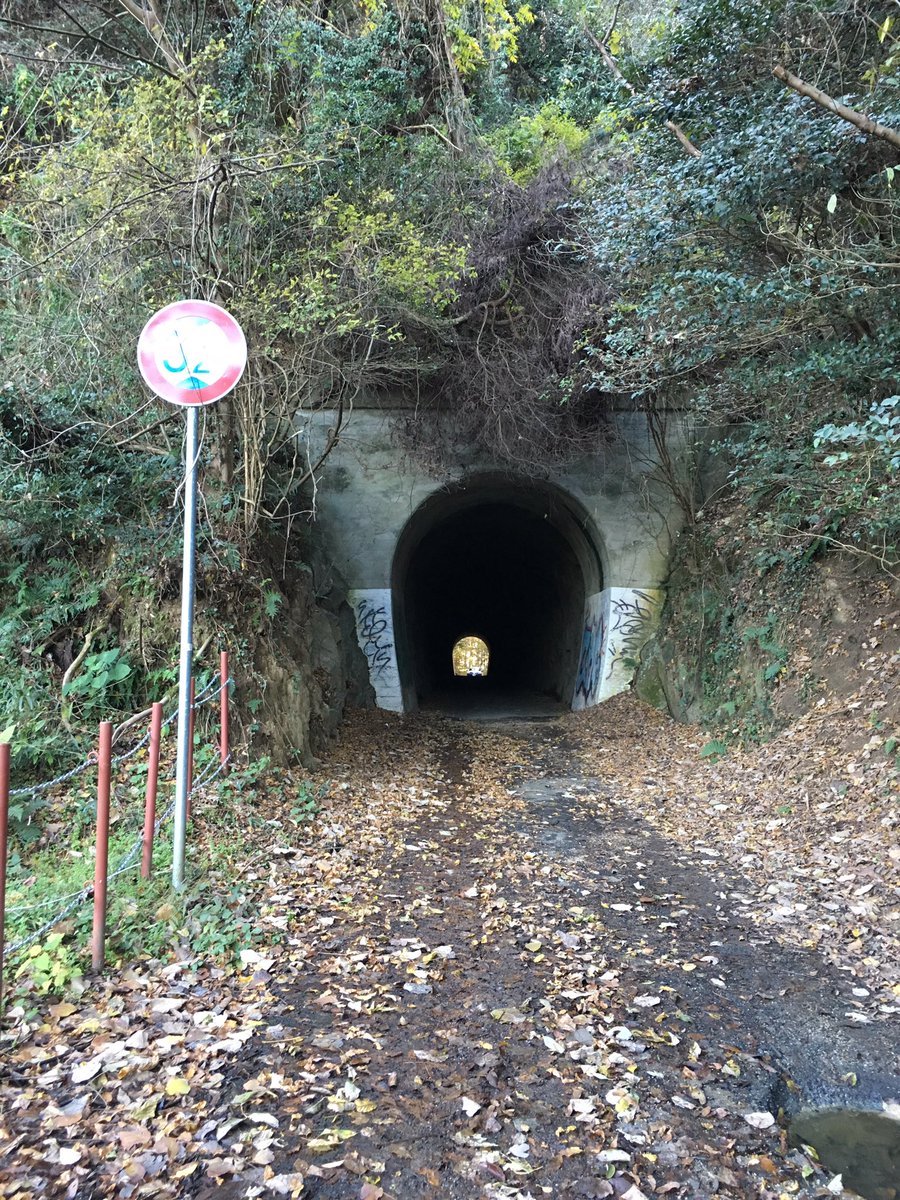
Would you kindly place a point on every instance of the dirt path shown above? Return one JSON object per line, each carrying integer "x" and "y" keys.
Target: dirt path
{"x": 528, "y": 946}
{"x": 488, "y": 978}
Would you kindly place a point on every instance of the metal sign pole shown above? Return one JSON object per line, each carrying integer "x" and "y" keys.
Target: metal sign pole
{"x": 182, "y": 783}
{"x": 193, "y": 353}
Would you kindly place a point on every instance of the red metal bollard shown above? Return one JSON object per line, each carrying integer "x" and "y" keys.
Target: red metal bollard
{"x": 101, "y": 863}
{"x": 150, "y": 798}
{"x": 223, "y": 707}
{"x": 190, "y": 761}
{"x": 4, "y": 829}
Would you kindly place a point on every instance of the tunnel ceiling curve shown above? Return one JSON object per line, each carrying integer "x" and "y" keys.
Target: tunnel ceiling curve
{"x": 507, "y": 560}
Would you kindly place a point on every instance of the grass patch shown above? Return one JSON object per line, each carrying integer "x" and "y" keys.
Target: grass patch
{"x": 215, "y": 916}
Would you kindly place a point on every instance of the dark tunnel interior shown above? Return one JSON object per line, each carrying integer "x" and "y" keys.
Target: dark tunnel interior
{"x": 503, "y": 572}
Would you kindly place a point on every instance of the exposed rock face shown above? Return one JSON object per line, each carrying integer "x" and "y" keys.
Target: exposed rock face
{"x": 311, "y": 668}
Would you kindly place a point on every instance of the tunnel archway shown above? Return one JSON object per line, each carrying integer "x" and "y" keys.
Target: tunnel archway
{"x": 503, "y": 559}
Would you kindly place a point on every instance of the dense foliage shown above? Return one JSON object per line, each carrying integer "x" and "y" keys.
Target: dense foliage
{"x": 530, "y": 213}
{"x": 757, "y": 282}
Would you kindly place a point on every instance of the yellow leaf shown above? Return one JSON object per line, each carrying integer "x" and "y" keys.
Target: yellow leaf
{"x": 145, "y": 1110}
{"x": 320, "y": 1145}
{"x": 176, "y": 1086}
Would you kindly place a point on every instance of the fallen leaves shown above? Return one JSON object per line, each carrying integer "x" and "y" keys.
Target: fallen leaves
{"x": 328, "y": 1140}
{"x": 87, "y": 1070}
{"x": 445, "y": 996}
{"x": 812, "y": 823}
{"x": 290, "y": 1184}
{"x": 508, "y": 1015}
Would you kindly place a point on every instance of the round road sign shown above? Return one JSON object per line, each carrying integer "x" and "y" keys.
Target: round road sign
{"x": 192, "y": 352}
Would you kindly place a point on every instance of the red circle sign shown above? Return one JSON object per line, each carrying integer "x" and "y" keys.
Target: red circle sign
{"x": 192, "y": 352}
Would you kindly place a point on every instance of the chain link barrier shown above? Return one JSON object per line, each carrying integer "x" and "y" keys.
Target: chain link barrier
{"x": 130, "y": 859}
{"x": 127, "y": 863}
{"x": 213, "y": 688}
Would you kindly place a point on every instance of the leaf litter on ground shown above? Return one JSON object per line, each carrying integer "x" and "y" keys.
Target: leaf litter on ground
{"x": 431, "y": 1010}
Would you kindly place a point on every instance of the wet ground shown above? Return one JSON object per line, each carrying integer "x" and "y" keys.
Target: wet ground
{"x": 534, "y": 994}
{"x": 863, "y": 1146}
{"x": 480, "y": 975}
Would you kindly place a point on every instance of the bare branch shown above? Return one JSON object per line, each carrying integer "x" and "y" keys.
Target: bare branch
{"x": 860, "y": 120}
{"x": 432, "y": 129}
{"x": 149, "y": 17}
{"x": 613, "y": 66}
{"x": 613, "y": 23}
{"x": 87, "y": 35}
{"x": 111, "y": 212}
{"x": 73, "y": 667}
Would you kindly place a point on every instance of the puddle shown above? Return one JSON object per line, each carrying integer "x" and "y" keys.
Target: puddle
{"x": 862, "y": 1147}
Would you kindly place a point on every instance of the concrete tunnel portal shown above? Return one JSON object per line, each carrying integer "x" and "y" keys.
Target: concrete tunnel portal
{"x": 510, "y": 562}
{"x": 563, "y": 580}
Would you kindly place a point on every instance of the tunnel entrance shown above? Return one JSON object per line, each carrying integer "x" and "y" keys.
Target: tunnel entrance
{"x": 509, "y": 562}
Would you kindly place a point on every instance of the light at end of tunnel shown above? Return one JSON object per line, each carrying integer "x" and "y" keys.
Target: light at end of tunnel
{"x": 471, "y": 656}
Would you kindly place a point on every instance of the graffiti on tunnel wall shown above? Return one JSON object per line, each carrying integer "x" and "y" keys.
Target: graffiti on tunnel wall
{"x": 617, "y": 624}
{"x": 375, "y": 637}
{"x": 590, "y": 661}
{"x": 630, "y": 614}
{"x": 373, "y": 611}
{"x": 633, "y": 615}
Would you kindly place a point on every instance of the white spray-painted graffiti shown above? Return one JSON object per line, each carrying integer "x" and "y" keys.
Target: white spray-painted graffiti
{"x": 617, "y": 623}
{"x": 375, "y": 633}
